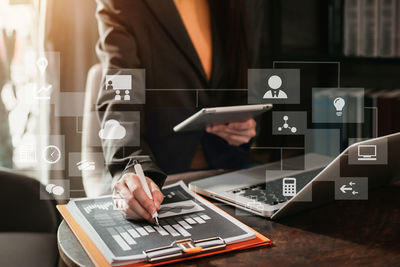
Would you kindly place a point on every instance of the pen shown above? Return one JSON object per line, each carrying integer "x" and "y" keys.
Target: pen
{"x": 142, "y": 178}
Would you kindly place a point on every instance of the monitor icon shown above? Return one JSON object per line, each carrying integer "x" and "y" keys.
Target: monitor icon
{"x": 366, "y": 152}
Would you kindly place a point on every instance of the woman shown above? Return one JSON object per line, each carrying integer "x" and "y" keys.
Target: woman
{"x": 183, "y": 45}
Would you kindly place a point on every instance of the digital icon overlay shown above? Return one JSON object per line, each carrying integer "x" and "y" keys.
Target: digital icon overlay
{"x": 42, "y": 64}
{"x": 120, "y": 83}
{"x": 351, "y": 188}
{"x": 27, "y": 153}
{"x": 345, "y": 189}
{"x": 273, "y": 86}
{"x": 43, "y": 92}
{"x": 339, "y": 104}
{"x": 366, "y": 152}
{"x": 86, "y": 165}
{"x": 56, "y": 189}
{"x": 275, "y": 92}
{"x": 112, "y": 130}
{"x": 289, "y": 122}
{"x": 51, "y": 154}
{"x": 289, "y": 187}
{"x": 287, "y": 126}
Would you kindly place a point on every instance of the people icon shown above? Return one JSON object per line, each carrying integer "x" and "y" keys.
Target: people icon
{"x": 275, "y": 82}
{"x": 110, "y": 85}
{"x": 117, "y": 95}
{"x": 127, "y": 97}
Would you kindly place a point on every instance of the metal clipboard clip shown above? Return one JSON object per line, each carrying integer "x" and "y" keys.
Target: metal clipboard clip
{"x": 184, "y": 248}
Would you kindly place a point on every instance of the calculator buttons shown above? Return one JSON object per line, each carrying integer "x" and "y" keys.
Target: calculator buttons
{"x": 289, "y": 187}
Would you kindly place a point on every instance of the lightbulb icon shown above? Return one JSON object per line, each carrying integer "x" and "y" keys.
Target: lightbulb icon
{"x": 339, "y": 104}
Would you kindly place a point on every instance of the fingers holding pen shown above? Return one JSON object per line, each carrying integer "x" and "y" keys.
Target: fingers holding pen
{"x": 139, "y": 205}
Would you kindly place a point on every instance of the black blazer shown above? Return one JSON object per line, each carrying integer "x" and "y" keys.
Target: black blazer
{"x": 149, "y": 34}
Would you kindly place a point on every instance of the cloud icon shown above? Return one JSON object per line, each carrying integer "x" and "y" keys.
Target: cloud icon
{"x": 112, "y": 130}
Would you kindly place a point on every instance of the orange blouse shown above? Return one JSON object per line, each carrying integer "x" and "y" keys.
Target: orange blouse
{"x": 195, "y": 15}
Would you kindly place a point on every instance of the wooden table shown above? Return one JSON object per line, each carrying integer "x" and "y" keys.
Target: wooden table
{"x": 344, "y": 233}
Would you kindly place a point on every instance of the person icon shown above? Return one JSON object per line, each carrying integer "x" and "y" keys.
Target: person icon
{"x": 110, "y": 85}
{"x": 117, "y": 95}
{"x": 127, "y": 96}
{"x": 275, "y": 82}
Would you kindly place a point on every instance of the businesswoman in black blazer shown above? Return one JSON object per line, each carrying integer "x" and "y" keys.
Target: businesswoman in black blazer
{"x": 182, "y": 45}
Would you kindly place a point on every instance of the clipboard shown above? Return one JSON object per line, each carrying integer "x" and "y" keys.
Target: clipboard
{"x": 179, "y": 250}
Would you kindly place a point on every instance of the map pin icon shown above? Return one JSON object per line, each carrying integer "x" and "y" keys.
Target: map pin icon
{"x": 42, "y": 64}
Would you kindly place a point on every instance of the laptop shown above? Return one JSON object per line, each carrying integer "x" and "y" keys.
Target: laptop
{"x": 271, "y": 192}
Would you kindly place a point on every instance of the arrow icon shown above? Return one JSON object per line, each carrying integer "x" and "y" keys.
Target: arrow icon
{"x": 354, "y": 192}
{"x": 343, "y": 188}
{"x": 352, "y": 183}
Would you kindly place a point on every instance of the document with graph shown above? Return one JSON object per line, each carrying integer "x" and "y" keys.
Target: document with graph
{"x": 182, "y": 216}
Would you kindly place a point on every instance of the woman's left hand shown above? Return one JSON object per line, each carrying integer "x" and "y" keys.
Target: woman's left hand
{"x": 235, "y": 133}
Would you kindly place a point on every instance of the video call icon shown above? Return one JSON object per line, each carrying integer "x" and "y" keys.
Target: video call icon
{"x": 120, "y": 83}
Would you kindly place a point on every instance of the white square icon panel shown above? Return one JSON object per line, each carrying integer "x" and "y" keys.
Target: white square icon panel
{"x": 276, "y": 86}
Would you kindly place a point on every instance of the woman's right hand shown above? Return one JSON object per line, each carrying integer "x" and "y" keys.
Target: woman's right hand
{"x": 132, "y": 200}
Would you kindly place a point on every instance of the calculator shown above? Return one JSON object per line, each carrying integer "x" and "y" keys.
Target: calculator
{"x": 289, "y": 187}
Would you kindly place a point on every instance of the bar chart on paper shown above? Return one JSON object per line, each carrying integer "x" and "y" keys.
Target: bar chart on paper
{"x": 180, "y": 216}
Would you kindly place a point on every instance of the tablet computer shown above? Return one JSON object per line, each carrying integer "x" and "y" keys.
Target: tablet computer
{"x": 220, "y": 115}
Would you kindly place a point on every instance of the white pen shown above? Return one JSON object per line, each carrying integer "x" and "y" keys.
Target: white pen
{"x": 142, "y": 178}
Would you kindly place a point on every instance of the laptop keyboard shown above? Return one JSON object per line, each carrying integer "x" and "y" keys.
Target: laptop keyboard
{"x": 271, "y": 192}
